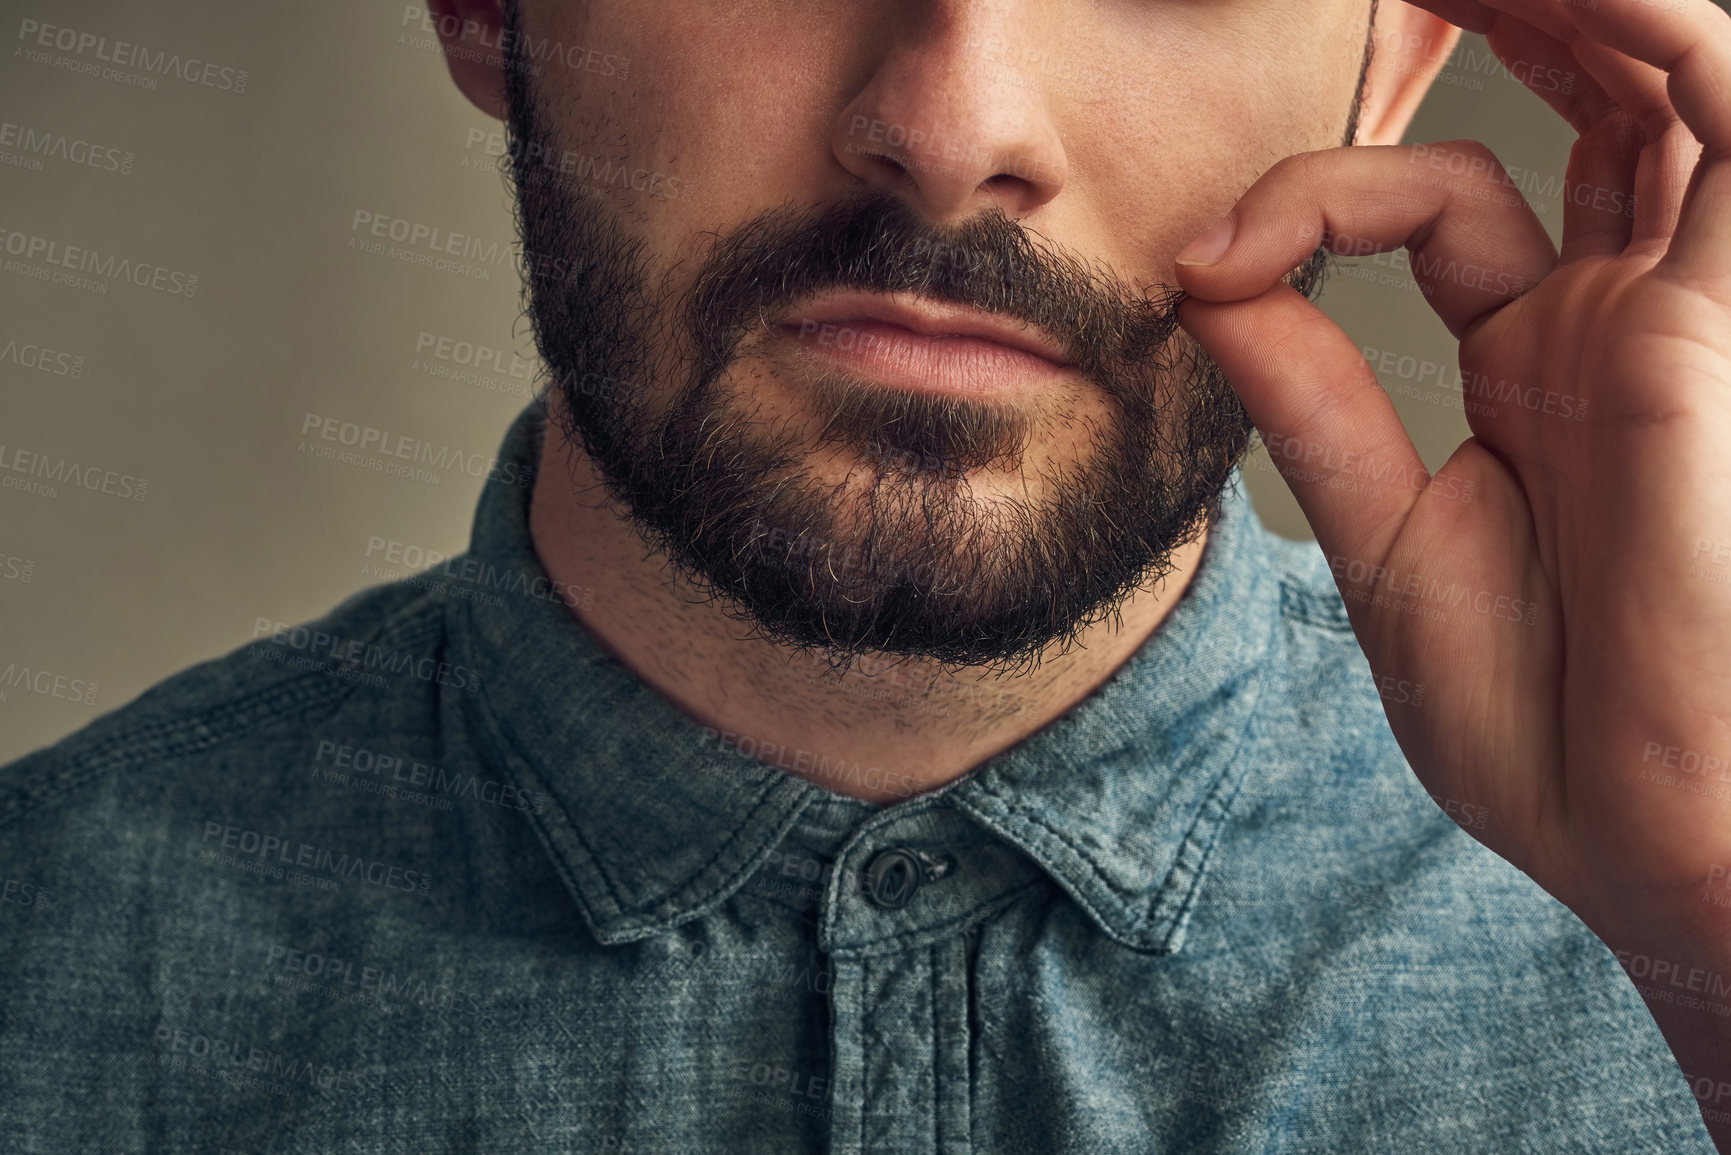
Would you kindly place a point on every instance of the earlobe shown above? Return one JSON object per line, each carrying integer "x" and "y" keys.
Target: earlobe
{"x": 471, "y": 33}
{"x": 1410, "y": 46}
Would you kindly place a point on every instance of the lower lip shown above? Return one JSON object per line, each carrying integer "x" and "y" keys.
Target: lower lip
{"x": 903, "y": 359}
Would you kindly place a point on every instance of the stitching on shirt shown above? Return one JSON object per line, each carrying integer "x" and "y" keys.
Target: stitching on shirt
{"x": 1026, "y": 819}
{"x": 1032, "y": 818}
{"x": 937, "y": 1049}
{"x": 637, "y": 917}
{"x": 1200, "y": 852}
{"x": 906, "y": 938}
{"x": 865, "y": 973}
{"x": 199, "y": 731}
{"x": 746, "y": 868}
{"x": 592, "y": 862}
{"x": 1193, "y": 853}
{"x": 779, "y": 904}
{"x": 1141, "y": 914}
{"x": 1303, "y": 603}
{"x": 634, "y": 917}
{"x": 160, "y": 740}
{"x": 568, "y": 870}
{"x": 1144, "y": 916}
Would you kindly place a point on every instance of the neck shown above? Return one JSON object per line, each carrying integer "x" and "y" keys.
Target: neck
{"x": 916, "y": 725}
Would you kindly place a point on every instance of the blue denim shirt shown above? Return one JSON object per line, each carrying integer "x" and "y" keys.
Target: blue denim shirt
{"x": 436, "y": 873}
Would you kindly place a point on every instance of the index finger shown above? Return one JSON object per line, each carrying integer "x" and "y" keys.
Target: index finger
{"x": 1472, "y": 15}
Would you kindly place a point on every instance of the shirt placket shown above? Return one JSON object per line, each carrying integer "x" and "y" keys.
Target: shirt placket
{"x": 904, "y": 894}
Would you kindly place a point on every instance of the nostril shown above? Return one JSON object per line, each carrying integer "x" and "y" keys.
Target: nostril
{"x": 885, "y": 160}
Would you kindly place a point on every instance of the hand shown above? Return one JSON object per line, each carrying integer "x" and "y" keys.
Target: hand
{"x": 1553, "y": 585}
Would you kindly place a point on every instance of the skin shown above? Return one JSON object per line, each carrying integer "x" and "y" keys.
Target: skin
{"x": 1561, "y": 711}
{"x": 748, "y": 122}
{"x": 1571, "y": 731}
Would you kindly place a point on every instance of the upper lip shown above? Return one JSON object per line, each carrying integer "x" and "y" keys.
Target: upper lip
{"x": 929, "y": 318}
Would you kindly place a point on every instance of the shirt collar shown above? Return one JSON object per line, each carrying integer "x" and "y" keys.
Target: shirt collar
{"x": 651, "y": 826}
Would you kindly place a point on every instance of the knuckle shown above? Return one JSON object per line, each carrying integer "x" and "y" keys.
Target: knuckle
{"x": 1297, "y": 168}
{"x": 1457, "y": 161}
{"x": 1482, "y": 162}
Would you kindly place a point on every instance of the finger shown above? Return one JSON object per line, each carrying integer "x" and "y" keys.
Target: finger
{"x": 1689, "y": 40}
{"x": 1662, "y": 186}
{"x": 1599, "y": 201}
{"x": 1330, "y": 429}
{"x": 1469, "y": 14}
{"x": 1583, "y": 80}
{"x": 1548, "y": 68}
{"x": 1664, "y": 149}
{"x": 1626, "y": 178}
{"x": 1599, "y": 187}
{"x": 1474, "y": 242}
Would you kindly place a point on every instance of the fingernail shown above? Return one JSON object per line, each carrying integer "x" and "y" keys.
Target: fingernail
{"x": 1211, "y": 245}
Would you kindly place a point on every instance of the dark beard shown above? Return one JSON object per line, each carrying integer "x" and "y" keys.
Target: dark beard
{"x": 901, "y": 558}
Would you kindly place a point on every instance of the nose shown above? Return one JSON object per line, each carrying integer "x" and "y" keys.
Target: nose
{"x": 945, "y": 121}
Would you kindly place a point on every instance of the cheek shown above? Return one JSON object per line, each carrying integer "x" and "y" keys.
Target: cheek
{"x": 1152, "y": 171}
{"x": 721, "y": 128}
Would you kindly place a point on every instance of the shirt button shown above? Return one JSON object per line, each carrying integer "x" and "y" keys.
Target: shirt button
{"x": 893, "y": 877}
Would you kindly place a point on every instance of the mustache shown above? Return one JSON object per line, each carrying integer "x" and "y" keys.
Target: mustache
{"x": 875, "y": 242}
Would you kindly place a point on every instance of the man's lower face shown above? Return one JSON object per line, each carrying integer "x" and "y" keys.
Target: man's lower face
{"x": 855, "y": 487}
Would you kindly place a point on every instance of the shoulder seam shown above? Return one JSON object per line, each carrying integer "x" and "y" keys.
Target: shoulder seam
{"x": 185, "y": 734}
{"x": 161, "y": 740}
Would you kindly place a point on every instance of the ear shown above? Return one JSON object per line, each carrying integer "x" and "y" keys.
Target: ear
{"x": 472, "y": 32}
{"x": 1410, "y": 46}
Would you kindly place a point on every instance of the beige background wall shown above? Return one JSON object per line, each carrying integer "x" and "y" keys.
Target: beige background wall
{"x": 188, "y": 407}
